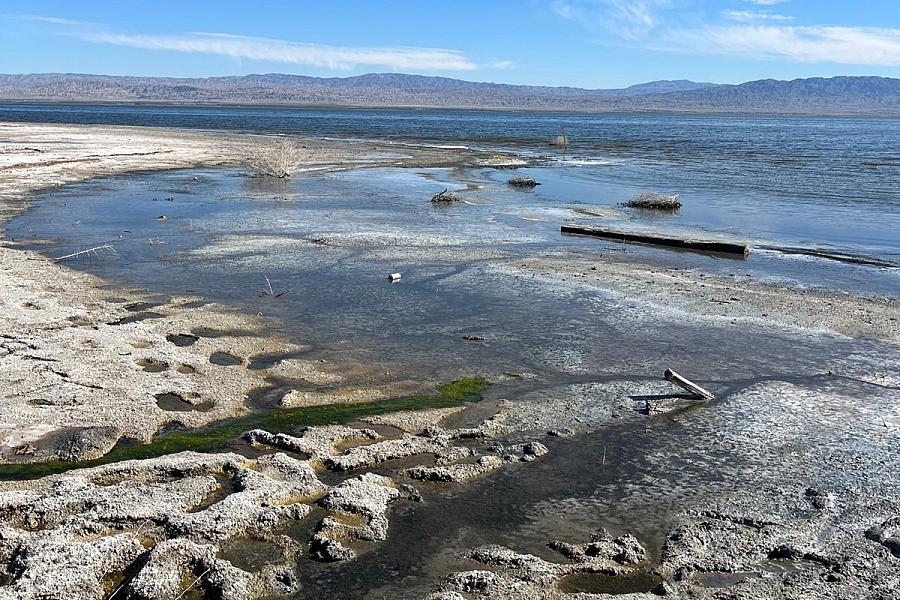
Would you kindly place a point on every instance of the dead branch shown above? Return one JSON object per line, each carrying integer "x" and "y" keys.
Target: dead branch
{"x": 269, "y": 292}
{"x": 95, "y": 251}
{"x": 445, "y": 197}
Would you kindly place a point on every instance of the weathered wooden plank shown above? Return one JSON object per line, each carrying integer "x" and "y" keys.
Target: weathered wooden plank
{"x": 659, "y": 240}
{"x": 690, "y": 386}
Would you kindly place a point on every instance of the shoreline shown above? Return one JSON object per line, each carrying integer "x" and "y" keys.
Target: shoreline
{"x": 769, "y": 471}
{"x": 488, "y": 108}
{"x": 50, "y": 309}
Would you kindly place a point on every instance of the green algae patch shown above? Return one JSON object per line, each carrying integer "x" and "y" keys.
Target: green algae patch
{"x": 634, "y": 582}
{"x": 217, "y": 436}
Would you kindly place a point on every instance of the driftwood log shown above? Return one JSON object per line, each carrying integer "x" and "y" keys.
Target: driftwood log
{"x": 688, "y": 385}
{"x": 659, "y": 240}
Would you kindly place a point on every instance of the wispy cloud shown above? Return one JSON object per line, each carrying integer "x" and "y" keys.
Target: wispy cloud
{"x": 757, "y": 34}
{"x": 43, "y": 19}
{"x": 752, "y": 16}
{"x": 842, "y": 45}
{"x": 273, "y": 50}
{"x": 283, "y": 51}
{"x": 630, "y": 19}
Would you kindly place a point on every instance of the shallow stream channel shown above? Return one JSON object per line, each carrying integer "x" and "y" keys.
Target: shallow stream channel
{"x": 313, "y": 254}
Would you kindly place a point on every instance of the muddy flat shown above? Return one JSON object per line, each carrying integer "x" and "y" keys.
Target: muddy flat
{"x": 240, "y": 393}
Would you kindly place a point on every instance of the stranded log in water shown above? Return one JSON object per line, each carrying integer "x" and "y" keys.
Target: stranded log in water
{"x": 660, "y": 240}
{"x": 217, "y": 436}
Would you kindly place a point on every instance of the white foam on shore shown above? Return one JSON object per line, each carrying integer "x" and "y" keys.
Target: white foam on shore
{"x": 584, "y": 162}
{"x": 400, "y": 143}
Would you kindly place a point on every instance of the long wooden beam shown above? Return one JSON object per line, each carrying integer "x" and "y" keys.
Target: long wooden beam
{"x": 659, "y": 240}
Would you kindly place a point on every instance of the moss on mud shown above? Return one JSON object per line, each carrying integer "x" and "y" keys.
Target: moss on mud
{"x": 218, "y": 435}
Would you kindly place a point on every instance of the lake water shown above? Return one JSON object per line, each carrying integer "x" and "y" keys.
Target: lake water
{"x": 825, "y": 183}
{"x": 830, "y": 183}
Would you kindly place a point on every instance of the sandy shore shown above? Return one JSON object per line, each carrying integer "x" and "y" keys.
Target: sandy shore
{"x": 785, "y": 484}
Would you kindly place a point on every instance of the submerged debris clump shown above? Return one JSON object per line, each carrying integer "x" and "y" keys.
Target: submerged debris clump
{"x": 522, "y": 181}
{"x": 445, "y": 197}
{"x": 654, "y": 201}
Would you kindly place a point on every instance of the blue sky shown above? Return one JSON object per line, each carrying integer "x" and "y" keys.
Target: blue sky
{"x": 586, "y": 43}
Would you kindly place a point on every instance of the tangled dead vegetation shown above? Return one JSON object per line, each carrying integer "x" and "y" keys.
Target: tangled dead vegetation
{"x": 279, "y": 159}
{"x": 522, "y": 181}
{"x": 445, "y": 197}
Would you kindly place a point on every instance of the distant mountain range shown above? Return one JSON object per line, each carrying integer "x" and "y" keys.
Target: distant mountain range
{"x": 836, "y": 95}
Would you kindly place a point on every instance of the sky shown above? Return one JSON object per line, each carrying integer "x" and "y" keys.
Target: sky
{"x": 583, "y": 43}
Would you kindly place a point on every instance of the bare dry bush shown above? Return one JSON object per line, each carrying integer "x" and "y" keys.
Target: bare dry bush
{"x": 278, "y": 159}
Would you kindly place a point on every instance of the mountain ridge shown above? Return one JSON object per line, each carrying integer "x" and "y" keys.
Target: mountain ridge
{"x": 835, "y": 95}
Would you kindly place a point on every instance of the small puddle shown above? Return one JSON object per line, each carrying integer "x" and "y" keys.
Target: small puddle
{"x": 136, "y": 317}
{"x": 209, "y": 332}
{"x": 182, "y": 339}
{"x": 250, "y": 554}
{"x": 225, "y": 359}
{"x": 267, "y": 397}
{"x": 171, "y": 401}
{"x": 603, "y": 583}
{"x": 270, "y": 396}
{"x": 151, "y": 365}
{"x": 225, "y": 488}
{"x": 259, "y": 362}
{"x": 195, "y": 304}
{"x": 141, "y": 306}
{"x": 717, "y": 579}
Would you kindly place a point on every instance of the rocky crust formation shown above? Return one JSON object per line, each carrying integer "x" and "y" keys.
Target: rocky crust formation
{"x": 148, "y": 526}
{"x": 154, "y": 528}
{"x": 512, "y": 575}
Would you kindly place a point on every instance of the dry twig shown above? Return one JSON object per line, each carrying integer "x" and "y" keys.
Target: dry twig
{"x": 195, "y": 582}
{"x": 95, "y": 251}
{"x": 269, "y": 292}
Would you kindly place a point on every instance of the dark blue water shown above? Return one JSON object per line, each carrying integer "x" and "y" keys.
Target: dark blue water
{"x": 827, "y": 183}
{"x": 823, "y": 160}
